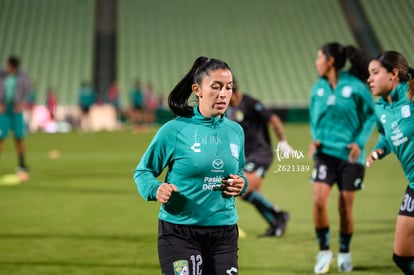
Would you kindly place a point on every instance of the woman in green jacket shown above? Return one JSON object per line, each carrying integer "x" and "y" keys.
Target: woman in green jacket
{"x": 203, "y": 153}
{"x": 342, "y": 119}
{"x": 391, "y": 78}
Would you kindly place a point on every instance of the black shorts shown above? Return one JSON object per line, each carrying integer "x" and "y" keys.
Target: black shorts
{"x": 331, "y": 170}
{"x": 196, "y": 250}
{"x": 252, "y": 166}
{"x": 85, "y": 109}
{"x": 258, "y": 163}
{"x": 407, "y": 205}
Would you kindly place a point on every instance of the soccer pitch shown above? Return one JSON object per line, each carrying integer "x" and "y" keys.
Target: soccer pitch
{"x": 80, "y": 213}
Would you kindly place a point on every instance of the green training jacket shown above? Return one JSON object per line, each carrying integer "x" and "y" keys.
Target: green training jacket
{"x": 198, "y": 153}
{"x": 395, "y": 123}
{"x": 341, "y": 116}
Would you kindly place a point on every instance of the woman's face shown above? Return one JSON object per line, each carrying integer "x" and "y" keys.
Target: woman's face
{"x": 10, "y": 69}
{"x": 323, "y": 64}
{"x": 381, "y": 82}
{"x": 214, "y": 92}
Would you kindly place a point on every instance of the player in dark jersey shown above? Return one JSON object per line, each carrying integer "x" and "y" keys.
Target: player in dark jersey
{"x": 255, "y": 119}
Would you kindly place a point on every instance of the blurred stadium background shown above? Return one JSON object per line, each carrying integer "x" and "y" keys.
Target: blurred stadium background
{"x": 270, "y": 44}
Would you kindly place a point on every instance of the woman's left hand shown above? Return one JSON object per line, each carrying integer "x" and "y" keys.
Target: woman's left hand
{"x": 354, "y": 152}
{"x": 233, "y": 185}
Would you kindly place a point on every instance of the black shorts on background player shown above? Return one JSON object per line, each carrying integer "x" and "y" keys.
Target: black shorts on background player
{"x": 331, "y": 170}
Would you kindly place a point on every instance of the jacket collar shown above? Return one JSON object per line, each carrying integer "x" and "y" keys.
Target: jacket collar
{"x": 212, "y": 121}
{"x": 397, "y": 94}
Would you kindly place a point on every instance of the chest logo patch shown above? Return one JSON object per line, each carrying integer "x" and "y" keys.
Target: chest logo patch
{"x": 218, "y": 164}
{"x": 383, "y": 120}
{"x": 196, "y": 147}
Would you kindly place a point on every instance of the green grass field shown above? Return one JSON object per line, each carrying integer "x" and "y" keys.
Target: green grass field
{"x": 81, "y": 213}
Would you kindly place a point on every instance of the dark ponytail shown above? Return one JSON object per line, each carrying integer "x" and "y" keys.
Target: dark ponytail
{"x": 178, "y": 98}
{"x": 359, "y": 62}
{"x": 411, "y": 83}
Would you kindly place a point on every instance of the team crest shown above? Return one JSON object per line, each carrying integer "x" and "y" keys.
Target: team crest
{"x": 258, "y": 107}
{"x": 181, "y": 267}
{"x": 346, "y": 91}
{"x": 239, "y": 115}
{"x": 234, "y": 150}
{"x": 320, "y": 92}
{"x": 405, "y": 111}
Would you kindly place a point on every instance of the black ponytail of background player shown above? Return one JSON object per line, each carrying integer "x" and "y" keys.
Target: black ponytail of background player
{"x": 179, "y": 96}
{"x": 359, "y": 62}
{"x": 411, "y": 83}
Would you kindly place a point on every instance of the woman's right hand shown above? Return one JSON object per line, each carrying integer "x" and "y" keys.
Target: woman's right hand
{"x": 165, "y": 191}
{"x": 373, "y": 157}
{"x": 313, "y": 147}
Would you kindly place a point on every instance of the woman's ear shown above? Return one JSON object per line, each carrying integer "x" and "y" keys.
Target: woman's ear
{"x": 331, "y": 61}
{"x": 395, "y": 73}
{"x": 196, "y": 90}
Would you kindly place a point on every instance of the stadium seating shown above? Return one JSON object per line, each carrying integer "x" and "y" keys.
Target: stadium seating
{"x": 54, "y": 39}
{"x": 393, "y": 24}
{"x": 271, "y": 45}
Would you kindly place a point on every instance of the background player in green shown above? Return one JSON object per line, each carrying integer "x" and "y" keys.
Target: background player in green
{"x": 389, "y": 75}
{"x": 87, "y": 98}
{"x": 14, "y": 90}
{"x": 255, "y": 120}
{"x": 342, "y": 119}
{"x": 203, "y": 152}
{"x": 136, "y": 108}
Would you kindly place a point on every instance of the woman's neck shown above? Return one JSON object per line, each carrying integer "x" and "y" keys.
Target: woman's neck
{"x": 332, "y": 77}
{"x": 388, "y": 97}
